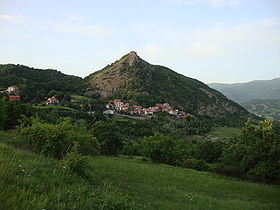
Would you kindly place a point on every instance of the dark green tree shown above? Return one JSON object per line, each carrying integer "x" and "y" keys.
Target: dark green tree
{"x": 108, "y": 136}
{"x": 254, "y": 155}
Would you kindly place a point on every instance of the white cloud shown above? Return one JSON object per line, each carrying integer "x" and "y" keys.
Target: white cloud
{"x": 87, "y": 30}
{"x": 59, "y": 26}
{"x": 213, "y": 3}
{"x": 14, "y": 18}
{"x": 221, "y": 42}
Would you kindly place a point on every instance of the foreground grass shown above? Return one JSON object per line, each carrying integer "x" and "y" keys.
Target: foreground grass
{"x": 30, "y": 181}
{"x": 225, "y": 132}
{"x": 166, "y": 187}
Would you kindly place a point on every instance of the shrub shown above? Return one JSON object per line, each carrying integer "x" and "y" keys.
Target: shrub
{"x": 74, "y": 162}
{"x": 131, "y": 148}
{"x": 164, "y": 149}
{"x": 254, "y": 155}
{"x": 54, "y": 140}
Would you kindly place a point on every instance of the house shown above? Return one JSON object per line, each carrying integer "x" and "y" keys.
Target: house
{"x": 109, "y": 112}
{"x": 13, "y": 89}
{"x": 52, "y": 101}
{"x": 118, "y": 103}
{"x": 13, "y": 97}
{"x": 148, "y": 111}
{"x": 123, "y": 107}
{"x": 173, "y": 112}
{"x": 138, "y": 111}
{"x": 136, "y": 107}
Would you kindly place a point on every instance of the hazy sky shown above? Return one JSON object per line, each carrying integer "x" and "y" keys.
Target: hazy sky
{"x": 210, "y": 40}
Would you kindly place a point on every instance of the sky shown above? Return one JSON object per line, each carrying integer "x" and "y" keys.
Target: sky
{"x": 224, "y": 41}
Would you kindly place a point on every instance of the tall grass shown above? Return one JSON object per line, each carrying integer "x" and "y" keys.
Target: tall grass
{"x": 161, "y": 186}
{"x": 30, "y": 181}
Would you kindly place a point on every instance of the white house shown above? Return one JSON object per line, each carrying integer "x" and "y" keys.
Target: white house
{"x": 109, "y": 112}
{"x": 12, "y": 89}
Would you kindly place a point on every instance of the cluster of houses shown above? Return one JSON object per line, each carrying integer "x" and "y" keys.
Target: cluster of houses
{"x": 12, "y": 93}
{"x": 118, "y": 105}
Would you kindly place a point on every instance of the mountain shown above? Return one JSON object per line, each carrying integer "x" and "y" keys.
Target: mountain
{"x": 269, "y": 109}
{"x": 242, "y": 92}
{"x": 36, "y": 83}
{"x": 135, "y": 80}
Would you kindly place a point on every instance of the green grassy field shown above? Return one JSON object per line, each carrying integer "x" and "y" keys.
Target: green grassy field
{"x": 225, "y": 132}
{"x": 55, "y": 107}
{"x": 79, "y": 98}
{"x": 30, "y": 181}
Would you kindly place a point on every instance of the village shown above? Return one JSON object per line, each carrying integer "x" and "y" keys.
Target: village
{"x": 118, "y": 106}
{"x": 113, "y": 107}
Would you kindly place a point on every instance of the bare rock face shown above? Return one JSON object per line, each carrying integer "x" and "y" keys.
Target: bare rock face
{"x": 132, "y": 59}
{"x": 108, "y": 81}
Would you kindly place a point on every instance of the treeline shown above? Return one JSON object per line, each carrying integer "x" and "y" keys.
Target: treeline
{"x": 254, "y": 155}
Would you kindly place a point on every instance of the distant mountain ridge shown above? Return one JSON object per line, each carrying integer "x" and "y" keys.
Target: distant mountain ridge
{"x": 243, "y": 92}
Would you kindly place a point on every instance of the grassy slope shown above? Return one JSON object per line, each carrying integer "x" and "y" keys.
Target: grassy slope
{"x": 225, "y": 132}
{"x": 31, "y": 181}
{"x": 157, "y": 186}
{"x": 166, "y": 187}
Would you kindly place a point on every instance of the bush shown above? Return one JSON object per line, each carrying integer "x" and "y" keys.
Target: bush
{"x": 254, "y": 155}
{"x": 74, "y": 162}
{"x": 131, "y": 148}
{"x": 54, "y": 140}
{"x": 209, "y": 150}
{"x": 164, "y": 149}
{"x": 108, "y": 137}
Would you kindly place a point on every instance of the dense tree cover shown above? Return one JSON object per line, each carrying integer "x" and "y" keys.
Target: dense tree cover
{"x": 254, "y": 155}
{"x": 35, "y": 84}
{"x": 12, "y": 112}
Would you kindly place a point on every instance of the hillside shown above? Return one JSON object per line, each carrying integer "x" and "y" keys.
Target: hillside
{"x": 137, "y": 81}
{"x": 269, "y": 109}
{"x": 30, "y": 181}
{"x": 36, "y": 83}
{"x": 243, "y": 92}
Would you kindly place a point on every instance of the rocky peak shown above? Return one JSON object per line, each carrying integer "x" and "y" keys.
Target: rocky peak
{"x": 132, "y": 59}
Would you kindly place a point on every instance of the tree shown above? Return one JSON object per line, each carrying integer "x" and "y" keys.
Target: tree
{"x": 254, "y": 155}
{"x": 164, "y": 149}
{"x": 108, "y": 137}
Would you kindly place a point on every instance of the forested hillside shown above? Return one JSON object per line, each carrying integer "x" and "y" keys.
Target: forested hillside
{"x": 269, "y": 109}
{"x": 35, "y": 84}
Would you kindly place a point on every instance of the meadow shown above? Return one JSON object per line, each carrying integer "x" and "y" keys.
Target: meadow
{"x": 32, "y": 181}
